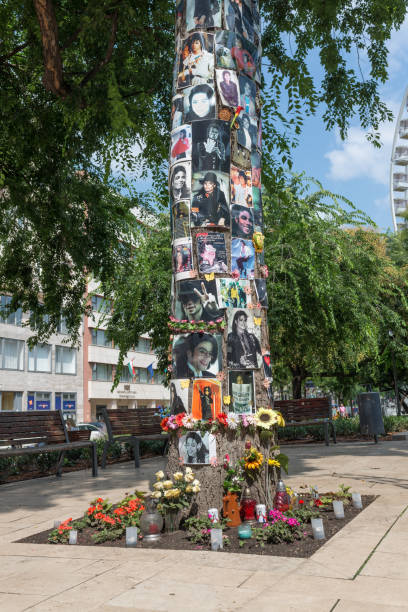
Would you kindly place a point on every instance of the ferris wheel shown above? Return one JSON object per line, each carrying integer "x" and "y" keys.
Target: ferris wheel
{"x": 399, "y": 166}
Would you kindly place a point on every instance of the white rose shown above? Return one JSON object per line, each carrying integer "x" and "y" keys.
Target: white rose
{"x": 168, "y": 493}
{"x": 189, "y": 470}
{"x": 158, "y": 486}
{"x": 168, "y": 484}
{"x": 196, "y": 489}
{"x": 159, "y": 475}
{"x": 178, "y": 476}
{"x": 196, "y": 483}
{"x": 156, "y": 495}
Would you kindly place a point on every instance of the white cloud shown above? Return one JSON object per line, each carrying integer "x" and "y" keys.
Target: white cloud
{"x": 382, "y": 203}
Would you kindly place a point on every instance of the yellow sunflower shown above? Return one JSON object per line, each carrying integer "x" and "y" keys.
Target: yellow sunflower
{"x": 266, "y": 418}
{"x": 273, "y": 462}
{"x": 253, "y": 459}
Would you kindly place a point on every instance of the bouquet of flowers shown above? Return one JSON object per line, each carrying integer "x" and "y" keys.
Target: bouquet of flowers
{"x": 175, "y": 493}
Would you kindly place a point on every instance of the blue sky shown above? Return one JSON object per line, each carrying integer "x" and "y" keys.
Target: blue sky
{"x": 354, "y": 168}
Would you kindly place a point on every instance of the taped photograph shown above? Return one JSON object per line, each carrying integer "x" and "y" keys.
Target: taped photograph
{"x": 241, "y": 391}
{"x": 182, "y": 258}
{"x": 177, "y": 111}
{"x": 243, "y": 257}
{"x": 233, "y": 293}
{"x": 256, "y": 163}
{"x": 242, "y": 222}
{"x": 199, "y": 103}
{"x": 224, "y": 42}
{"x": 180, "y": 149}
{"x": 211, "y": 149}
{"x": 247, "y": 90}
{"x": 180, "y": 182}
{"x": 228, "y": 87}
{"x": 197, "y": 301}
{"x": 245, "y": 53}
{"x": 241, "y": 186}
{"x": 211, "y": 253}
{"x": 261, "y": 292}
{"x": 203, "y": 14}
{"x": 266, "y": 360}
{"x": 233, "y": 18}
{"x": 247, "y": 131}
{"x": 179, "y": 396}
{"x": 244, "y": 341}
{"x": 247, "y": 19}
{"x": 196, "y": 447}
{"x": 206, "y": 402}
{"x": 197, "y": 355}
{"x": 210, "y": 203}
{"x": 181, "y": 219}
{"x": 196, "y": 64}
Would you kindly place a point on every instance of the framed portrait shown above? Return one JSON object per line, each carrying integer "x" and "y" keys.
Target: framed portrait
{"x": 241, "y": 390}
{"x": 211, "y": 253}
{"x": 247, "y": 131}
{"x": 181, "y": 144}
{"x": 180, "y": 182}
{"x": 241, "y": 186}
{"x": 196, "y": 60}
{"x": 210, "y": 200}
{"x": 224, "y": 42}
{"x": 207, "y": 395}
{"x": 228, "y": 87}
{"x": 244, "y": 340}
{"x": 211, "y": 150}
{"x": 197, "y": 300}
{"x": 197, "y": 355}
{"x": 180, "y": 214}
{"x": 261, "y": 292}
{"x": 196, "y": 447}
{"x": 233, "y": 293}
{"x": 247, "y": 90}
{"x": 179, "y": 396}
{"x": 183, "y": 259}
{"x": 243, "y": 257}
{"x": 199, "y": 103}
{"x": 203, "y": 14}
{"x": 242, "y": 222}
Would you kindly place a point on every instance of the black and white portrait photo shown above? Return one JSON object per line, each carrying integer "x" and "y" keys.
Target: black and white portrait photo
{"x": 261, "y": 292}
{"x": 224, "y": 42}
{"x": 196, "y": 64}
{"x": 180, "y": 149}
{"x": 199, "y": 103}
{"x": 242, "y": 222}
{"x": 228, "y": 87}
{"x": 211, "y": 253}
{"x": 182, "y": 258}
{"x": 180, "y": 182}
{"x": 197, "y": 447}
{"x": 197, "y": 355}
{"x": 197, "y": 300}
{"x": 247, "y": 131}
{"x": 180, "y": 214}
{"x": 241, "y": 391}
{"x": 179, "y": 396}
{"x": 210, "y": 203}
{"x": 247, "y": 90}
{"x": 244, "y": 340}
{"x": 203, "y": 14}
{"x": 211, "y": 149}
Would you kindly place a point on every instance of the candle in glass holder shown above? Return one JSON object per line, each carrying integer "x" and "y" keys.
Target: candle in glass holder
{"x": 244, "y": 531}
{"x": 131, "y": 536}
{"x": 261, "y": 513}
{"x": 73, "y": 536}
{"x": 318, "y": 529}
{"x": 216, "y": 539}
{"x": 338, "y": 509}
{"x": 356, "y": 499}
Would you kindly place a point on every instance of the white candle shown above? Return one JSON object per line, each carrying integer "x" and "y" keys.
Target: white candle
{"x": 131, "y": 536}
{"x": 216, "y": 539}
{"x": 338, "y": 509}
{"x": 213, "y": 515}
{"x": 73, "y": 536}
{"x": 356, "y": 499}
{"x": 318, "y": 529}
{"x": 261, "y": 512}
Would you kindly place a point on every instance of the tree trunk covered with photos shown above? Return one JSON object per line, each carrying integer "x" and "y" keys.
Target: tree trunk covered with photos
{"x": 220, "y": 356}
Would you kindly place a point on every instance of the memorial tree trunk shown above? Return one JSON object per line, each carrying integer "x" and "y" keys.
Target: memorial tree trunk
{"x": 220, "y": 357}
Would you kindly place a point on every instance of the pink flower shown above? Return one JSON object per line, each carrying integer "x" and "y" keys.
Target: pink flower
{"x": 248, "y": 290}
{"x": 235, "y": 274}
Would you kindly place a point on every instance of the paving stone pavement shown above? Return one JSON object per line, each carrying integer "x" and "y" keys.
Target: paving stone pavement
{"x": 363, "y": 567}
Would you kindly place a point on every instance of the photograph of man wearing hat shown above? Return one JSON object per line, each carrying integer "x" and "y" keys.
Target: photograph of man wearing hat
{"x": 197, "y": 305}
{"x": 209, "y": 205}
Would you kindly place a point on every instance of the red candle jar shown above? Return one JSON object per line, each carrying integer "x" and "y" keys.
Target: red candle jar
{"x": 247, "y": 508}
{"x": 281, "y": 501}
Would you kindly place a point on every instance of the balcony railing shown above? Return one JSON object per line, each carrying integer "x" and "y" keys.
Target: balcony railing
{"x": 401, "y": 156}
{"x": 403, "y": 128}
{"x": 400, "y": 182}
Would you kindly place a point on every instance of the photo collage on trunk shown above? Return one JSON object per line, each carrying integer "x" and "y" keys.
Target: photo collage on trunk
{"x": 216, "y": 208}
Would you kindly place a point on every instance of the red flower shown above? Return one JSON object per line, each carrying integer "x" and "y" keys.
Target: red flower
{"x": 222, "y": 418}
{"x": 100, "y": 500}
{"x": 91, "y": 510}
{"x": 301, "y": 502}
{"x": 179, "y": 418}
{"x": 163, "y": 424}
{"x": 318, "y": 502}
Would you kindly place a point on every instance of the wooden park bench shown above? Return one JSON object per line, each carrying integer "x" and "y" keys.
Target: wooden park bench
{"x": 308, "y": 413}
{"x": 44, "y": 431}
{"x": 131, "y": 425}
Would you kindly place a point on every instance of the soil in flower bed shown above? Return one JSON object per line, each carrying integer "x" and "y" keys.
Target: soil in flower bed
{"x": 179, "y": 541}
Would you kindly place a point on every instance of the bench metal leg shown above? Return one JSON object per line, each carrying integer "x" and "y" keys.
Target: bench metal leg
{"x": 326, "y": 433}
{"x": 104, "y": 454}
{"x": 136, "y": 452}
{"x": 334, "y": 433}
{"x": 94, "y": 460}
{"x": 59, "y": 464}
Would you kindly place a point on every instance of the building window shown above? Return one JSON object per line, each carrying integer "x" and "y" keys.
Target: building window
{"x": 100, "y": 304}
{"x": 38, "y": 400}
{"x": 12, "y": 318}
{"x": 99, "y": 338}
{"x": 143, "y": 346}
{"x": 126, "y": 376}
{"x": 102, "y": 371}
{"x": 12, "y": 354}
{"x": 62, "y": 326}
{"x": 158, "y": 378}
{"x": 39, "y": 358}
{"x": 142, "y": 375}
{"x": 65, "y": 360}
{"x": 66, "y": 401}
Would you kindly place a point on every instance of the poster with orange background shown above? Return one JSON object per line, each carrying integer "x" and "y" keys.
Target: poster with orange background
{"x": 206, "y": 398}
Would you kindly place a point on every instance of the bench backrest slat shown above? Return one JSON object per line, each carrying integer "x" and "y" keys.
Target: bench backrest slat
{"x": 304, "y": 409}
{"x": 17, "y": 428}
{"x": 131, "y": 421}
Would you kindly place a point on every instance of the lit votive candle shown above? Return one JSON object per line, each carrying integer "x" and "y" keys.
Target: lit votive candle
{"x": 318, "y": 529}
{"x": 338, "y": 509}
{"x": 356, "y": 499}
{"x": 213, "y": 515}
{"x": 216, "y": 539}
{"x": 73, "y": 536}
{"x": 131, "y": 536}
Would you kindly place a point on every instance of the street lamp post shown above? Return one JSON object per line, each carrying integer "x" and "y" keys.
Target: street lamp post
{"x": 394, "y": 372}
